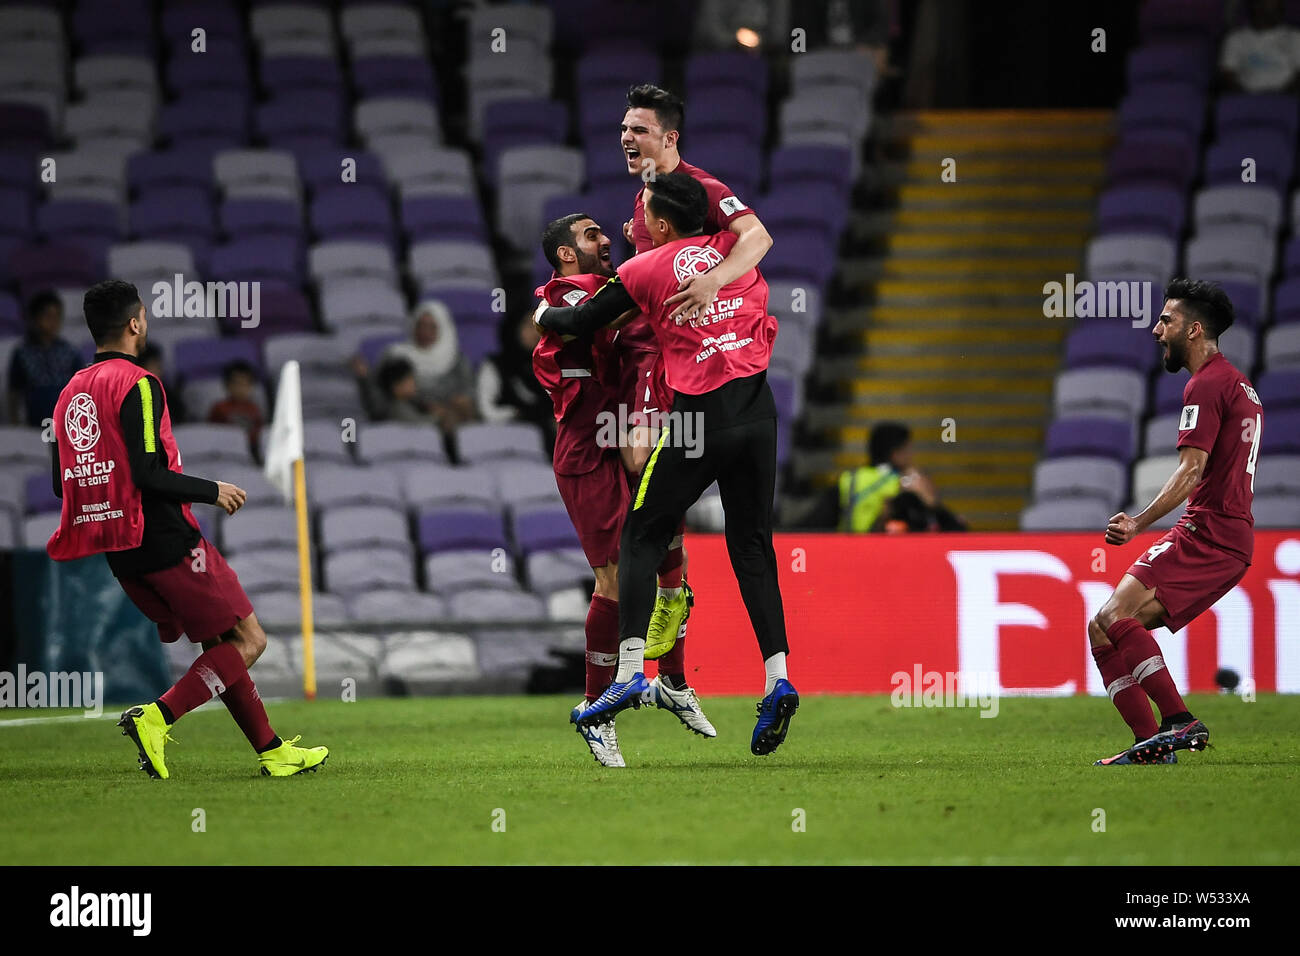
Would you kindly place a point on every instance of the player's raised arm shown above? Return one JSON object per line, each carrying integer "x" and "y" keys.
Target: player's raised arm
{"x": 609, "y": 304}
{"x": 1191, "y": 466}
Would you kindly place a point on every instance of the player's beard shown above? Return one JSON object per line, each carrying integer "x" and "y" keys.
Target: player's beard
{"x": 1176, "y": 357}
{"x": 593, "y": 265}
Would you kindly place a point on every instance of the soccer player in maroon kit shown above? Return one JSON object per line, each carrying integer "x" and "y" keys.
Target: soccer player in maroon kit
{"x": 118, "y": 471}
{"x": 581, "y": 376}
{"x": 649, "y": 135}
{"x": 716, "y": 365}
{"x": 1207, "y": 552}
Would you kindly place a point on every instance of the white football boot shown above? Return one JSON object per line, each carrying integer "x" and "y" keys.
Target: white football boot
{"x": 684, "y": 705}
{"x": 602, "y": 740}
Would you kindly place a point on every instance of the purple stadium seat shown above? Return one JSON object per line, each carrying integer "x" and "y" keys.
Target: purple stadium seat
{"x": 41, "y": 498}
{"x": 266, "y": 258}
{"x": 24, "y": 127}
{"x": 174, "y": 214}
{"x": 283, "y": 309}
{"x": 278, "y": 217}
{"x": 1110, "y": 342}
{"x": 90, "y": 224}
{"x": 1154, "y": 208}
{"x": 123, "y": 27}
{"x": 606, "y": 166}
{"x": 1279, "y": 389}
{"x": 323, "y": 168}
{"x": 11, "y": 323}
{"x": 283, "y": 74}
{"x": 1286, "y": 301}
{"x": 728, "y": 69}
{"x": 1163, "y": 106}
{"x": 600, "y": 111}
{"x": 801, "y": 255}
{"x": 1291, "y": 257}
{"x": 617, "y": 68}
{"x": 544, "y": 529}
{"x": 731, "y": 158}
{"x": 443, "y": 217}
{"x": 1281, "y": 433}
{"x": 732, "y": 110}
{"x": 819, "y": 205}
{"x": 172, "y": 167}
{"x": 450, "y": 529}
{"x": 1184, "y": 19}
{"x": 302, "y": 114}
{"x": 1273, "y": 155}
{"x": 468, "y": 306}
{"x": 16, "y": 165}
{"x": 1169, "y": 393}
{"x": 204, "y": 358}
{"x": 1161, "y": 157}
{"x": 478, "y": 341}
{"x": 1246, "y": 305}
{"x": 1187, "y": 61}
{"x": 372, "y": 349}
{"x": 213, "y": 118}
{"x": 521, "y": 122}
{"x": 16, "y": 217}
{"x": 394, "y": 76}
{"x": 224, "y": 66}
{"x": 217, "y": 18}
{"x": 352, "y": 211}
{"x": 1102, "y": 437}
{"x": 805, "y": 164}
{"x": 1241, "y": 112}
{"x": 54, "y": 265}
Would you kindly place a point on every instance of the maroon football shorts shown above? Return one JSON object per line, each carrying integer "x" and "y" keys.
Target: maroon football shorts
{"x": 1188, "y": 573}
{"x": 643, "y": 387}
{"x": 200, "y": 600}
{"x": 597, "y": 503}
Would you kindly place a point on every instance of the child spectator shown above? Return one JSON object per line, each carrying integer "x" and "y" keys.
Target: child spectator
{"x": 239, "y": 407}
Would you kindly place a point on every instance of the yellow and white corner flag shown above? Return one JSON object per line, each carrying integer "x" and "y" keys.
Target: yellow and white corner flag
{"x": 285, "y": 470}
{"x": 284, "y": 444}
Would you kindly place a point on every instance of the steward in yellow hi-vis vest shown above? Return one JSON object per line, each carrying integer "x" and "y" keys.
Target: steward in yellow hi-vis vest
{"x": 863, "y": 493}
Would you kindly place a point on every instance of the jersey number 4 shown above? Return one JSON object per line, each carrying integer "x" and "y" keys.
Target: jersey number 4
{"x": 1254, "y": 448}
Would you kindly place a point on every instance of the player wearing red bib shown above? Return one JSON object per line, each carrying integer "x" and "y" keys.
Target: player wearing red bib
{"x": 118, "y": 471}
{"x": 581, "y": 376}
{"x": 716, "y": 364}
{"x": 1207, "y": 552}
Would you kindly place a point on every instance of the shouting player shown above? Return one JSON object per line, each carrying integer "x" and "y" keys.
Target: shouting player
{"x": 716, "y": 365}
{"x": 1207, "y": 552}
{"x": 118, "y": 470}
{"x": 649, "y": 136}
{"x": 581, "y": 376}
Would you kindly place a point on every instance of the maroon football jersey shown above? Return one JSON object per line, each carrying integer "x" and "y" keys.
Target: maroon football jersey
{"x": 581, "y": 376}
{"x": 1223, "y": 417}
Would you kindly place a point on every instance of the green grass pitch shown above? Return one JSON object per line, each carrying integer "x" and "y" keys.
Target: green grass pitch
{"x": 422, "y": 780}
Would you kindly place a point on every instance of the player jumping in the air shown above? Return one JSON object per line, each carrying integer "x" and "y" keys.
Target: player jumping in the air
{"x": 649, "y": 135}
{"x": 717, "y": 366}
{"x": 581, "y": 376}
{"x": 1207, "y": 552}
{"x": 118, "y": 470}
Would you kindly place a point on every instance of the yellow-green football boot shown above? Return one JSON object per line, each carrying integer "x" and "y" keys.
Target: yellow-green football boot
{"x": 145, "y": 725}
{"x": 668, "y": 622}
{"x": 286, "y": 759}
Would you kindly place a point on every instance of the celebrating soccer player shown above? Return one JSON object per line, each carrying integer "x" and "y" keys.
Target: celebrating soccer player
{"x": 1207, "y": 552}
{"x": 118, "y": 470}
{"x": 716, "y": 364}
{"x": 581, "y": 376}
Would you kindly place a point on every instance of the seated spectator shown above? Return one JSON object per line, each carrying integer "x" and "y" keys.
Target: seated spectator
{"x": 444, "y": 382}
{"x": 508, "y": 390}
{"x": 397, "y": 398}
{"x": 239, "y": 407}
{"x": 1264, "y": 55}
{"x": 42, "y": 363}
{"x": 890, "y": 494}
{"x": 151, "y": 359}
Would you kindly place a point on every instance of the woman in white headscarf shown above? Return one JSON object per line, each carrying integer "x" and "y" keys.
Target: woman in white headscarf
{"x": 444, "y": 382}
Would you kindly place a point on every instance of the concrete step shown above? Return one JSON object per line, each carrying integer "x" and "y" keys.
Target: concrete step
{"x": 992, "y": 267}
{"x": 1042, "y": 196}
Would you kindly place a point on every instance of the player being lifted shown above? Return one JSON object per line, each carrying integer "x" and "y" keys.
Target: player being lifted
{"x": 1207, "y": 552}
{"x": 581, "y": 376}
{"x": 716, "y": 365}
{"x": 118, "y": 470}
{"x": 649, "y": 135}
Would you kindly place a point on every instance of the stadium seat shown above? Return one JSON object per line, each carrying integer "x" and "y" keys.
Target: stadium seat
{"x": 1282, "y": 347}
{"x": 454, "y": 530}
{"x": 524, "y": 484}
{"x": 480, "y": 442}
{"x": 204, "y": 444}
{"x": 1080, "y": 477}
{"x": 333, "y": 485}
{"x": 446, "y": 572}
{"x": 1281, "y": 433}
{"x": 554, "y": 570}
{"x": 39, "y": 496}
{"x": 1160, "y": 435}
{"x": 544, "y": 528}
{"x": 1141, "y": 257}
{"x": 528, "y": 176}
{"x": 1113, "y": 343}
{"x": 1110, "y": 392}
{"x": 1278, "y": 474}
{"x": 1237, "y": 207}
{"x": 426, "y": 171}
{"x": 258, "y": 527}
{"x": 363, "y": 526}
{"x": 257, "y": 173}
{"x": 365, "y": 569}
{"x": 1276, "y": 511}
{"x": 485, "y": 604}
{"x": 383, "y": 442}
{"x": 428, "y": 486}
{"x": 1099, "y": 437}
{"x": 1156, "y": 208}
{"x": 397, "y": 607}
{"x": 465, "y": 264}
{"x": 281, "y": 610}
{"x": 1150, "y": 475}
{"x": 1082, "y": 514}
{"x": 1167, "y": 157}
{"x": 267, "y": 569}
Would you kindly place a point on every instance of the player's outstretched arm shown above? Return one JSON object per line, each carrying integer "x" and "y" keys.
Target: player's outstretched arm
{"x": 607, "y": 305}
{"x": 697, "y": 293}
{"x": 140, "y": 415}
{"x": 1191, "y": 466}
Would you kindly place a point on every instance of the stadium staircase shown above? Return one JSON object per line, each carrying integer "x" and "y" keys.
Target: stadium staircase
{"x": 943, "y": 316}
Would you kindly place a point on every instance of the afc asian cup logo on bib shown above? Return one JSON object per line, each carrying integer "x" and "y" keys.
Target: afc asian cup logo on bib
{"x": 695, "y": 261}
{"x": 82, "y": 422}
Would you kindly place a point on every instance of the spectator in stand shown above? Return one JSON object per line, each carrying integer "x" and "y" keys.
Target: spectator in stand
{"x": 890, "y": 494}
{"x": 508, "y": 391}
{"x": 1264, "y": 55}
{"x": 151, "y": 360}
{"x": 394, "y": 397}
{"x": 239, "y": 407}
{"x": 42, "y": 363}
{"x": 444, "y": 382}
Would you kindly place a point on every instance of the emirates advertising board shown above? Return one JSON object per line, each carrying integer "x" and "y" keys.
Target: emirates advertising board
{"x": 994, "y": 614}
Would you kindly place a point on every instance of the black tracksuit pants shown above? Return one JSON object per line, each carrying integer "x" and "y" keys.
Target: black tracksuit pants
{"x": 736, "y": 446}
